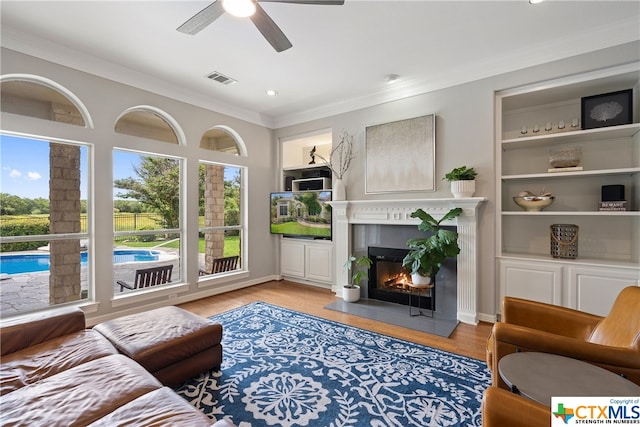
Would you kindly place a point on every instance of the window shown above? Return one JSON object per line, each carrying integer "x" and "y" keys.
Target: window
{"x": 146, "y": 215}
{"x": 147, "y": 122}
{"x": 221, "y": 217}
{"x": 41, "y": 98}
{"x": 44, "y": 237}
{"x": 221, "y": 140}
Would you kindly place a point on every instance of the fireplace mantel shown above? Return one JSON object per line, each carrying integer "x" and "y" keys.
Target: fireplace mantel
{"x": 398, "y": 212}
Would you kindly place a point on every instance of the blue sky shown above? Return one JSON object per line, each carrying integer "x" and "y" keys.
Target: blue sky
{"x": 25, "y": 167}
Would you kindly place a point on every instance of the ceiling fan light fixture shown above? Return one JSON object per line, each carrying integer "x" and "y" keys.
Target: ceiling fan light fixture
{"x": 239, "y": 8}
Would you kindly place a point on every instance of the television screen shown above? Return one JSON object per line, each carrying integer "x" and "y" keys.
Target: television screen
{"x": 303, "y": 214}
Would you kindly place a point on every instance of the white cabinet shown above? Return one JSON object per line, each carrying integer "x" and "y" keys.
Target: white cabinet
{"x": 594, "y": 289}
{"x": 608, "y": 241}
{"x": 307, "y": 260}
{"x": 538, "y": 281}
{"x": 586, "y": 288}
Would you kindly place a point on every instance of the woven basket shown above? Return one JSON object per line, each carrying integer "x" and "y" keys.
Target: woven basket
{"x": 564, "y": 240}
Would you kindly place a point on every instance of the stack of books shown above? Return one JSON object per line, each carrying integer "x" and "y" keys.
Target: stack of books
{"x": 613, "y": 206}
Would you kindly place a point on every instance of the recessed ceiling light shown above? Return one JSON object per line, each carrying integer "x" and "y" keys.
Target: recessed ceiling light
{"x": 391, "y": 78}
{"x": 535, "y": 1}
{"x": 272, "y": 92}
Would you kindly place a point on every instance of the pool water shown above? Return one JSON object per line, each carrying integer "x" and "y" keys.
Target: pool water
{"x": 29, "y": 263}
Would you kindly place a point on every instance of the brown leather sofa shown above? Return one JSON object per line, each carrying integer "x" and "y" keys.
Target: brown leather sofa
{"x": 501, "y": 408}
{"x": 54, "y": 371}
{"x": 611, "y": 342}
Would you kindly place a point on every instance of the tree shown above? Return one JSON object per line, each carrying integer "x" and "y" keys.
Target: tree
{"x": 157, "y": 186}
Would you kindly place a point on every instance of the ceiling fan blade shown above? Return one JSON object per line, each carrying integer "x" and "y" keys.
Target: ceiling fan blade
{"x": 320, "y": 2}
{"x": 200, "y": 20}
{"x": 270, "y": 30}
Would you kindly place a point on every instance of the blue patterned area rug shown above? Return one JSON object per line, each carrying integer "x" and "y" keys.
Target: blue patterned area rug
{"x": 284, "y": 368}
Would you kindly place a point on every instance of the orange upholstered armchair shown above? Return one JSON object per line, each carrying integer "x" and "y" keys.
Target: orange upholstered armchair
{"x": 611, "y": 342}
{"x": 501, "y": 408}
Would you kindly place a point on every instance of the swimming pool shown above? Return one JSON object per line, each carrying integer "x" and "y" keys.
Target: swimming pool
{"x": 29, "y": 263}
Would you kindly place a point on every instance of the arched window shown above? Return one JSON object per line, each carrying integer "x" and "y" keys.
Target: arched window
{"x": 151, "y": 123}
{"x": 224, "y": 140}
{"x": 34, "y": 96}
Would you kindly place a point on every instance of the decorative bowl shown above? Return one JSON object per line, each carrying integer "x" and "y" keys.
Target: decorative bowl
{"x": 533, "y": 203}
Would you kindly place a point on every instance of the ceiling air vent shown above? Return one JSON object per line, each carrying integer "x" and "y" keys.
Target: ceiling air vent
{"x": 221, "y": 78}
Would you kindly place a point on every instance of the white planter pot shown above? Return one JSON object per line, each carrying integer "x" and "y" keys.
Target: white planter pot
{"x": 351, "y": 294}
{"x": 420, "y": 281}
{"x": 461, "y": 189}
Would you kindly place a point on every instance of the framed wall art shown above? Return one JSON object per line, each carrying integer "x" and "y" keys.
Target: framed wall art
{"x": 400, "y": 156}
{"x": 608, "y": 109}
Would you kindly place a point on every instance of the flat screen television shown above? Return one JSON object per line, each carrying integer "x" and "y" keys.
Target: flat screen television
{"x": 301, "y": 214}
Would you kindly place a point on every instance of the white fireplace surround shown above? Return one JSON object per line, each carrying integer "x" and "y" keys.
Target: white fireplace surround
{"x": 398, "y": 212}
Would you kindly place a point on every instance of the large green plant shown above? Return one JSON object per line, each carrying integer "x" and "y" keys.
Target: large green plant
{"x": 426, "y": 255}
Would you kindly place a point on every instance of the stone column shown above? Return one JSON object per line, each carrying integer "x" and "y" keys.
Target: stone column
{"x": 213, "y": 213}
{"x": 64, "y": 217}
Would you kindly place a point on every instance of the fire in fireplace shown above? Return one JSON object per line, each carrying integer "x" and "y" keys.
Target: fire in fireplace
{"x": 389, "y": 280}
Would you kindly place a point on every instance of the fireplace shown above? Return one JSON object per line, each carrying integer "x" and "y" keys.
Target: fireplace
{"x": 350, "y": 213}
{"x": 389, "y": 280}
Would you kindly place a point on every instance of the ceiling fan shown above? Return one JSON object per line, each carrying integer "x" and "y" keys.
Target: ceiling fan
{"x": 254, "y": 11}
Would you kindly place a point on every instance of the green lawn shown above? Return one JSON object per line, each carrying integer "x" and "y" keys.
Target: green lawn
{"x": 295, "y": 228}
{"x": 231, "y": 245}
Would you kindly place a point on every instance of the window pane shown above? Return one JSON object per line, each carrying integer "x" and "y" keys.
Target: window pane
{"x": 220, "y": 217}
{"x": 146, "y": 191}
{"x": 219, "y": 140}
{"x": 39, "y": 101}
{"x": 146, "y": 124}
{"x": 148, "y": 185}
{"x": 42, "y": 192}
{"x": 135, "y": 252}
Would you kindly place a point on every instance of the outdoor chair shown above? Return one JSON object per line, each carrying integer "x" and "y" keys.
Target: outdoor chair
{"x": 149, "y": 277}
{"x": 220, "y": 265}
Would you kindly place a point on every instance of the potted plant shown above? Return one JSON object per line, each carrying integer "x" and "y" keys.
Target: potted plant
{"x": 426, "y": 255}
{"x": 359, "y": 267}
{"x": 462, "y": 181}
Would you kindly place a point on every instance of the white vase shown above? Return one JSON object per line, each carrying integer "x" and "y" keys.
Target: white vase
{"x": 351, "y": 294}
{"x": 339, "y": 191}
{"x": 419, "y": 280}
{"x": 461, "y": 189}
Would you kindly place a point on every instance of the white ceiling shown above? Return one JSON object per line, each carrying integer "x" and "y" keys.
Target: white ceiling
{"x": 340, "y": 54}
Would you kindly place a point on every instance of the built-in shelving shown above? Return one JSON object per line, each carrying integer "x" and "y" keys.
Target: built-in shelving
{"x": 608, "y": 241}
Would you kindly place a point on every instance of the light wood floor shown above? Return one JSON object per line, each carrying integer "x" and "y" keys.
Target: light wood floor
{"x": 467, "y": 340}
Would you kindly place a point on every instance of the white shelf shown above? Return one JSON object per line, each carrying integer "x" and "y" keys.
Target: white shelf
{"x": 555, "y": 175}
{"x": 572, "y": 213}
{"x": 305, "y": 167}
{"x": 598, "y": 134}
{"x": 579, "y": 261}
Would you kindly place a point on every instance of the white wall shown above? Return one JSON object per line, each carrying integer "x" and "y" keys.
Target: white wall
{"x": 106, "y": 100}
{"x": 464, "y": 135}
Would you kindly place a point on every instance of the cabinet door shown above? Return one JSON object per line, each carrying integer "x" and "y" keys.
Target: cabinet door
{"x": 532, "y": 280}
{"x": 292, "y": 256}
{"x": 594, "y": 289}
{"x": 318, "y": 262}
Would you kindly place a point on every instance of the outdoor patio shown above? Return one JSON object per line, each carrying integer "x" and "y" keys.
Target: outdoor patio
{"x": 21, "y": 293}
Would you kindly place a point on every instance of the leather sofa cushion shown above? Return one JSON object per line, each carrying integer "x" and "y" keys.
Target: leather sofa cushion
{"x": 78, "y": 396}
{"x": 51, "y": 357}
{"x": 162, "y": 407}
{"x": 161, "y": 337}
{"x": 24, "y": 331}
